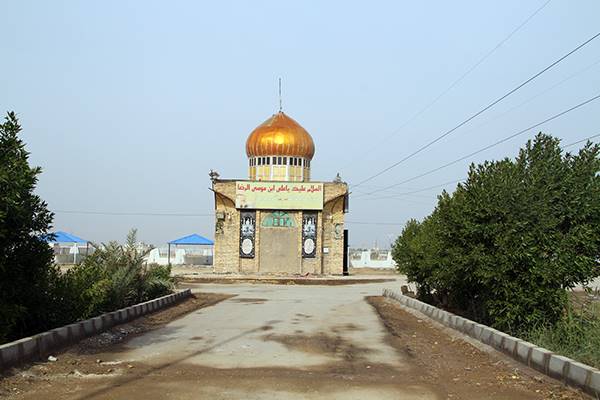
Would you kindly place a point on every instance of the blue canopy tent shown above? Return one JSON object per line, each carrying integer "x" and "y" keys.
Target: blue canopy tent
{"x": 193, "y": 239}
{"x": 64, "y": 237}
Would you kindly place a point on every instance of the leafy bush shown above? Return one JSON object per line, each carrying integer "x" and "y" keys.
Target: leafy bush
{"x": 507, "y": 244}
{"x": 157, "y": 281}
{"x": 116, "y": 276}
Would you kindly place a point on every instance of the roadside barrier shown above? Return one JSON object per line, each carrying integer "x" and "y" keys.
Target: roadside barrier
{"x": 568, "y": 371}
{"x": 39, "y": 346}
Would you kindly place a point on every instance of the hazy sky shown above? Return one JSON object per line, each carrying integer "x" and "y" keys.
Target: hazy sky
{"x": 127, "y": 105}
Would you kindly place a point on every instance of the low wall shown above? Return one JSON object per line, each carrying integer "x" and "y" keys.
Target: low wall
{"x": 40, "y": 345}
{"x": 569, "y": 371}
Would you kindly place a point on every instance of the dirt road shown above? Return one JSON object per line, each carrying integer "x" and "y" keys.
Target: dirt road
{"x": 290, "y": 342}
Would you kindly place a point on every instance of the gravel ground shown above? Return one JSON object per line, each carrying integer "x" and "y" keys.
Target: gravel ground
{"x": 464, "y": 368}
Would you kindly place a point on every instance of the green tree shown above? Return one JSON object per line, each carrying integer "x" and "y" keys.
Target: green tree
{"x": 507, "y": 244}
{"x": 415, "y": 252}
{"x": 25, "y": 257}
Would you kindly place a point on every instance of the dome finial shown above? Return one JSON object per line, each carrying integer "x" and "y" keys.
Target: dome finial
{"x": 280, "y": 104}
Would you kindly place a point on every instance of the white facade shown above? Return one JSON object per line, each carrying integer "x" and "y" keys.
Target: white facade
{"x": 372, "y": 258}
{"x": 200, "y": 255}
{"x": 70, "y": 253}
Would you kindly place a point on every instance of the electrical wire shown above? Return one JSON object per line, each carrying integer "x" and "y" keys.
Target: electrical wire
{"x": 491, "y": 145}
{"x": 420, "y": 149}
{"x": 530, "y": 99}
{"x": 580, "y": 141}
{"x": 456, "y": 82}
{"x": 394, "y": 195}
{"x": 554, "y": 86}
{"x": 132, "y": 213}
{"x": 354, "y": 198}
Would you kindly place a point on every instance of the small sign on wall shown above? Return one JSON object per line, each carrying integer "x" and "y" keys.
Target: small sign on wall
{"x": 338, "y": 231}
{"x": 247, "y": 233}
{"x": 309, "y": 234}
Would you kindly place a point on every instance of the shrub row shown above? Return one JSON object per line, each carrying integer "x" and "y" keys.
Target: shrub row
{"x": 507, "y": 244}
{"x": 113, "y": 277}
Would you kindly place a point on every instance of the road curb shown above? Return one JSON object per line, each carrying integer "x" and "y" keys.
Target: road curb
{"x": 568, "y": 371}
{"x": 40, "y": 345}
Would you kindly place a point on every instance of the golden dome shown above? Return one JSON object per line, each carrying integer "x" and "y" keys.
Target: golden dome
{"x": 280, "y": 135}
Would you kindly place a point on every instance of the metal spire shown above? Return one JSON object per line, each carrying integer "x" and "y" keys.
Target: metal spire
{"x": 280, "y": 105}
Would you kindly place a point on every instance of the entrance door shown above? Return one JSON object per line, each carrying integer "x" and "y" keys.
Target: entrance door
{"x": 279, "y": 241}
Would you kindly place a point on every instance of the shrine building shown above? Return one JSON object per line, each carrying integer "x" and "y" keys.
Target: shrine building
{"x": 278, "y": 221}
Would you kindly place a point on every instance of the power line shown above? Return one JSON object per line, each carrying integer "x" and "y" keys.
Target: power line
{"x": 554, "y": 86}
{"x": 460, "y": 79}
{"x": 479, "y": 112}
{"x": 362, "y": 194}
{"x": 580, "y": 141}
{"x": 394, "y": 195}
{"x": 530, "y": 99}
{"x": 146, "y": 214}
{"x": 549, "y": 89}
{"x": 350, "y": 222}
{"x": 491, "y": 145}
{"x": 189, "y": 215}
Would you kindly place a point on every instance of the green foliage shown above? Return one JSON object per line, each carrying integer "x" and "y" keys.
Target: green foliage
{"x": 576, "y": 335}
{"x": 156, "y": 281}
{"x": 414, "y": 253}
{"x": 25, "y": 258}
{"x": 116, "y": 276}
{"x": 505, "y": 246}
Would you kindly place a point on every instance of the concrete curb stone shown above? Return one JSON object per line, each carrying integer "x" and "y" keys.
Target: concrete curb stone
{"x": 559, "y": 367}
{"x": 594, "y": 382}
{"x": 523, "y": 352}
{"x": 579, "y": 374}
{"x": 539, "y": 359}
{"x": 509, "y": 345}
{"x": 486, "y": 335}
{"x": 40, "y": 345}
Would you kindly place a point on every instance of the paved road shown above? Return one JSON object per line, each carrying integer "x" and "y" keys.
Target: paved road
{"x": 279, "y": 342}
{"x": 267, "y": 342}
{"x": 289, "y": 342}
